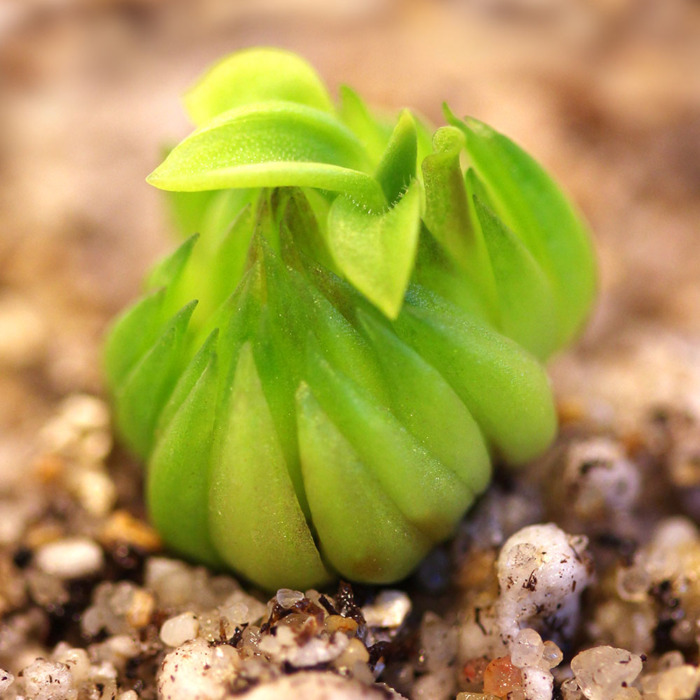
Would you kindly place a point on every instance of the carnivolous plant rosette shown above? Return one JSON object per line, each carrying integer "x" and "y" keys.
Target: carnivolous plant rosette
{"x": 370, "y": 327}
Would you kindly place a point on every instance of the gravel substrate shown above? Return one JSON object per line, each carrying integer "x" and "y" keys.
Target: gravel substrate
{"x": 578, "y": 577}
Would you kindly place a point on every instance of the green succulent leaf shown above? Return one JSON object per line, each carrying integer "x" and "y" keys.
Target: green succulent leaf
{"x": 376, "y": 251}
{"x": 428, "y": 493}
{"x": 447, "y": 211}
{"x": 255, "y": 519}
{"x": 256, "y": 75}
{"x": 187, "y": 210}
{"x": 397, "y": 168}
{"x": 534, "y": 208}
{"x": 272, "y": 144}
{"x": 131, "y": 335}
{"x": 361, "y": 531}
{"x": 504, "y": 387}
{"x": 147, "y": 386}
{"x": 526, "y": 301}
{"x": 440, "y": 421}
{"x": 178, "y": 468}
{"x": 355, "y": 114}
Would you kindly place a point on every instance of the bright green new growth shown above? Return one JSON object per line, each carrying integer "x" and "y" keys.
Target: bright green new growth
{"x": 370, "y": 327}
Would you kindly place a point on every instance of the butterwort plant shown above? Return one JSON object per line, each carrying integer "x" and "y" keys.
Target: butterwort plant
{"x": 320, "y": 379}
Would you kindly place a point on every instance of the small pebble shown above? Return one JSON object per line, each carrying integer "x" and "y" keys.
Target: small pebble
{"x": 124, "y": 527}
{"x": 538, "y": 684}
{"x": 319, "y": 686}
{"x": 95, "y": 492}
{"x": 527, "y": 649}
{"x": 128, "y": 695}
{"x": 23, "y": 332}
{"x": 197, "y": 671}
{"x": 502, "y": 678}
{"x": 46, "y": 680}
{"x": 172, "y": 581}
{"x": 76, "y": 660}
{"x": 70, "y": 558}
{"x": 542, "y": 572}
{"x": 389, "y": 609}
{"x": 438, "y": 685}
{"x": 552, "y": 655}
{"x": 180, "y": 629}
{"x": 141, "y": 609}
{"x": 287, "y": 598}
{"x": 601, "y": 672}
{"x": 438, "y": 642}
{"x": 679, "y": 683}
{"x": 6, "y": 680}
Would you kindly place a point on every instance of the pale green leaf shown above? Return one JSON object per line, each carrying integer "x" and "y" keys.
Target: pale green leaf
{"x": 360, "y": 530}
{"x": 373, "y": 132}
{"x": 144, "y": 392}
{"x": 274, "y": 144}
{"x": 533, "y": 207}
{"x": 526, "y": 301}
{"x": 376, "y": 250}
{"x": 398, "y": 165}
{"x": 256, "y": 75}
{"x": 504, "y": 387}
{"x": 427, "y": 492}
{"x": 426, "y": 404}
{"x": 255, "y": 519}
{"x": 178, "y": 470}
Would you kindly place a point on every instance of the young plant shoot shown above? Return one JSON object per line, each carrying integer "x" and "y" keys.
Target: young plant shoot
{"x": 320, "y": 379}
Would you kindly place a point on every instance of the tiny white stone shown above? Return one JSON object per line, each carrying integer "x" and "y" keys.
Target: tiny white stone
{"x": 527, "y": 649}
{"x": 128, "y": 695}
{"x": 679, "y": 683}
{"x": 601, "y": 672}
{"x": 6, "y": 680}
{"x": 438, "y": 642}
{"x": 13, "y": 521}
{"x": 318, "y": 686}
{"x": 172, "y": 581}
{"x": 286, "y": 597}
{"x": 69, "y": 558}
{"x": 95, "y": 491}
{"x": 180, "y": 629}
{"x": 537, "y": 683}
{"x": 541, "y": 573}
{"x": 86, "y": 412}
{"x": 77, "y": 661}
{"x": 389, "y": 609}
{"x": 45, "y": 680}
{"x": 197, "y": 671}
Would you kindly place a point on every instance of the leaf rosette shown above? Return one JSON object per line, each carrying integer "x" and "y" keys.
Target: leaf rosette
{"x": 374, "y": 305}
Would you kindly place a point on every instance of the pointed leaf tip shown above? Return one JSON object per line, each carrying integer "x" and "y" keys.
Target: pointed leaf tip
{"x": 376, "y": 252}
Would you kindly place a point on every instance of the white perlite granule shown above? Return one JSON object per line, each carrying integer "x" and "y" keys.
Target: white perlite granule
{"x": 602, "y": 672}
{"x": 319, "y": 686}
{"x": 389, "y": 609}
{"x": 72, "y": 557}
{"x": 180, "y": 629}
{"x": 6, "y": 680}
{"x": 541, "y": 573}
{"x": 45, "y": 680}
{"x": 197, "y": 671}
{"x": 284, "y": 647}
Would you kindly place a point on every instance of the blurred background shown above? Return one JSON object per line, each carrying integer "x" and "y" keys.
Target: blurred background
{"x": 605, "y": 93}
